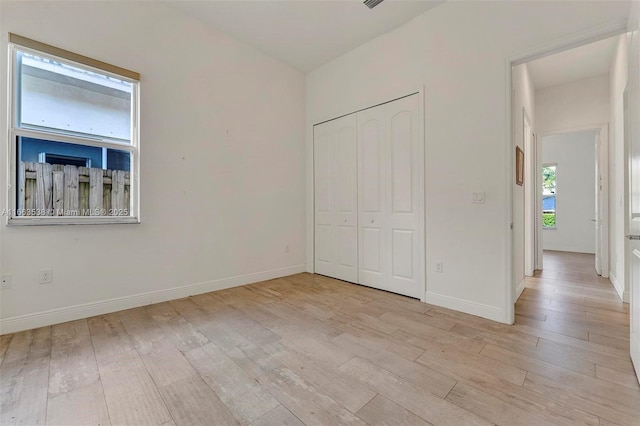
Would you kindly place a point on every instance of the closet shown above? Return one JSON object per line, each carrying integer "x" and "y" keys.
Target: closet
{"x": 369, "y": 197}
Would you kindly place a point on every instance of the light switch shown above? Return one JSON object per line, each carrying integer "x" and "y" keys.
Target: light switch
{"x": 477, "y": 197}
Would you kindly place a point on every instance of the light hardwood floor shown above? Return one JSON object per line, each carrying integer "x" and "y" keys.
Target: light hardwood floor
{"x": 312, "y": 350}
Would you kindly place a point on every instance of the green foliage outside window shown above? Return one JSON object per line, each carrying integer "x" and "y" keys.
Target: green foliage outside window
{"x": 549, "y": 220}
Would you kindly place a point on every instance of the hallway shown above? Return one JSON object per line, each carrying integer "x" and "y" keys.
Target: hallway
{"x": 581, "y": 323}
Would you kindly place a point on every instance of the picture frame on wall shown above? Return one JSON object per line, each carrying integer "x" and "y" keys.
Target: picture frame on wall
{"x": 519, "y": 166}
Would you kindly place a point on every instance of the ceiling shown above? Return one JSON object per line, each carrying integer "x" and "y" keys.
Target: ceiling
{"x": 304, "y": 33}
{"x": 582, "y": 62}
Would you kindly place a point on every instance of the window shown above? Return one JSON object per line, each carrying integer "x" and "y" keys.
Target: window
{"x": 74, "y": 138}
{"x": 549, "y": 194}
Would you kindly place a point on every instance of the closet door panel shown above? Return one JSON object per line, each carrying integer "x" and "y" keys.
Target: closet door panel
{"x": 371, "y": 263}
{"x": 335, "y": 180}
{"x": 345, "y": 197}
{"x": 322, "y": 147}
{"x": 400, "y": 127}
{"x": 406, "y": 189}
{"x": 403, "y": 260}
{"x": 372, "y": 197}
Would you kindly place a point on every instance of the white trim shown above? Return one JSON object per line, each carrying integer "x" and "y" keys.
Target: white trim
{"x": 468, "y": 307}
{"x": 71, "y": 313}
{"x": 530, "y": 186}
{"x": 69, "y": 220}
{"x": 423, "y": 137}
{"x": 519, "y": 290}
{"x": 72, "y": 139}
{"x": 510, "y": 150}
{"x": 623, "y": 294}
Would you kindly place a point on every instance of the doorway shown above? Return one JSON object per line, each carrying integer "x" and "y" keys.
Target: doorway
{"x": 573, "y": 195}
{"x": 591, "y": 91}
{"x": 565, "y": 96}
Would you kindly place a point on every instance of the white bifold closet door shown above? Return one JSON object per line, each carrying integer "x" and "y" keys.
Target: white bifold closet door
{"x": 336, "y": 198}
{"x": 369, "y": 197}
{"x": 391, "y": 197}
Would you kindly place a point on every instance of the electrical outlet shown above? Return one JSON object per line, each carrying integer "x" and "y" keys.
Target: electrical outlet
{"x": 439, "y": 267}
{"x": 5, "y": 283}
{"x": 46, "y": 276}
{"x": 286, "y": 249}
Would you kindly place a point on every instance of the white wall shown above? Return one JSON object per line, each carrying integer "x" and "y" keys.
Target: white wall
{"x": 222, "y": 166}
{"x": 523, "y": 103}
{"x": 575, "y": 156}
{"x": 573, "y": 105}
{"x": 618, "y": 203}
{"x": 460, "y": 52}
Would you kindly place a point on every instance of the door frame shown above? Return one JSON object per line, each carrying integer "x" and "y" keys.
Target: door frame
{"x": 311, "y": 244}
{"x": 530, "y": 199}
{"x": 602, "y": 132}
{"x": 558, "y": 45}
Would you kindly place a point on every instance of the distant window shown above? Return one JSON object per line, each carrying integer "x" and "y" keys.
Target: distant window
{"x": 64, "y": 160}
{"x": 549, "y": 194}
{"x": 74, "y": 138}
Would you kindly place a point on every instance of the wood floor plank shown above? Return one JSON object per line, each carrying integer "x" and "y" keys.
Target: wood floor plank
{"x": 180, "y": 330}
{"x": 73, "y": 362}
{"x": 24, "y": 376}
{"x": 192, "y": 402}
{"x": 211, "y": 326}
{"x": 165, "y": 363}
{"x": 132, "y": 397}
{"x": 624, "y": 378}
{"x": 469, "y": 364}
{"x": 325, "y": 353}
{"x": 491, "y": 408}
{"x": 595, "y": 389}
{"x": 429, "y": 379}
{"x": 583, "y": 355}
{"x": 572, "y": 341}
{"x": 279, "y": 416}
{"x": 81, "y": 406}
{"x": 5, "y": 339}
{"x": 384, "y": 412}
{"x": 567, "y": 329}
{"x": 392, "y": 343}
{"x": 528, "y": 400}
{"x": 424, "y": 404}
{"x": 306, "y": 401}
{"x": 141, "y": 327}
{"x": 352, "y": 395}
{"x": 109, "y": 336}
{"x": 245, "y": 398}
{"x": 579, "y": 399}
{"x": 611, "y": 342}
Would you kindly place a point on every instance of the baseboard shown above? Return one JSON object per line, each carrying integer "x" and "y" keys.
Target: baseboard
{"x": 519, "y": 290}
{"x": 71, "y": 313}
{"x": 468, "y": 307}
{"x": 622, "y": 293}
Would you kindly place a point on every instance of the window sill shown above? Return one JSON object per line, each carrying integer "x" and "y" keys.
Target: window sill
{"x": 77, "y": 220}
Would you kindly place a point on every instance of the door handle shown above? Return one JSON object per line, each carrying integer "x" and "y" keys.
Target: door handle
{"x": 593, "y": 220}
{"x": 633, "y": 237}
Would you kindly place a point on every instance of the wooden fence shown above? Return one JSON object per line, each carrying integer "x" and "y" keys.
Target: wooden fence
{"x": 57, "y": 190}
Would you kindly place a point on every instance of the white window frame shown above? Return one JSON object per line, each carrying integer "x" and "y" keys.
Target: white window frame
{"x": 14, "y": 131}
{"x": 555, "y": 194}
